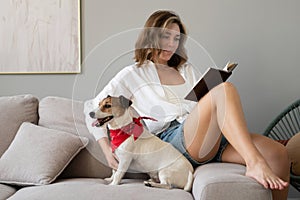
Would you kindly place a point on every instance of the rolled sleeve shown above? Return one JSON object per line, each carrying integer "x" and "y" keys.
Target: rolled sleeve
{"x": 115, "y": 87}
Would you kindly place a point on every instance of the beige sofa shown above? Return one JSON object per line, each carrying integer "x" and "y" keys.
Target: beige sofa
{"x": 47, "y": 153}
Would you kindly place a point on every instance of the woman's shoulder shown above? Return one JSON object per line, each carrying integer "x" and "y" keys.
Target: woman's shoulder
{"x": 126, "y": 70}
{"x": 145, "y": 67}
{"x": 188, "y": 71}
{"x": 186, "y": 67}
{"x": 136, "y": 67}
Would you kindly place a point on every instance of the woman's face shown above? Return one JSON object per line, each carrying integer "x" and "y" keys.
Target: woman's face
{"x": 169, "y": 42}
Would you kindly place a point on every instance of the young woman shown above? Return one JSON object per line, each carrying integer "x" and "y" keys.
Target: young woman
{"x": 213, "y": 129}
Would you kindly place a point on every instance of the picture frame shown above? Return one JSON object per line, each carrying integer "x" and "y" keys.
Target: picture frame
{"x": 40, "y": 37}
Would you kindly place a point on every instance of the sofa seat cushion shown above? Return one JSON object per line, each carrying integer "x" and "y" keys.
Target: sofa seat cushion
{"x": 92, "y": 189}
{"x": 67, "y": 115}
{"x": 226, "y": 181}
{"x": 6, "y": 191}
{"x": 14, "y": 111}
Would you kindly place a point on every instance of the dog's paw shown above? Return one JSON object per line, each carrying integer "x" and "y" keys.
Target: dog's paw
{"x": 109, "y": 180}
{"x": 114, "y": 183}
{"x": 148, "y": 183}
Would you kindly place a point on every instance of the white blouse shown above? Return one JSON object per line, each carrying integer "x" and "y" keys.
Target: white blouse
{"x": 142, "y": 86}
{"x": 175, "y": 95}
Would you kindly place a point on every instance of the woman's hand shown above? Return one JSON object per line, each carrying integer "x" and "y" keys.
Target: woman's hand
{"x": 111, "y": 158}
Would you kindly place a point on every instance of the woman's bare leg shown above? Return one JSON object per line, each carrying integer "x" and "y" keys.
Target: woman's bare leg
{"x": 277, "y": 159}
{"x": 221, "y": 111}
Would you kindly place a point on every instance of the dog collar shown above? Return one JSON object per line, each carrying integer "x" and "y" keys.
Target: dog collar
{"x": 135, "y": 128}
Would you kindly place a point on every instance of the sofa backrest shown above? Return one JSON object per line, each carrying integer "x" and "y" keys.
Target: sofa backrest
{"x": 67, "y": 115}
{"x": 14, "y": 110}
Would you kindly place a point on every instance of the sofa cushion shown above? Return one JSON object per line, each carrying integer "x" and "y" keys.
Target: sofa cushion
{"x": 14, "y": 111}
{"x": 67, "y": 115}
{"x": 38, "y": 155}
{"x": 78, "y": 189}
{"x": 226, "y": 181}
{"x": 6, "y": 191}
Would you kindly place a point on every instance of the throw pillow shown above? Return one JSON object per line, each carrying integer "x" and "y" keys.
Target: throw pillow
{"x": 14, "y": 110}
{"x": 38, "y": 155}
{"x": 67, "y": 115}
{"x": 293, "y": 147}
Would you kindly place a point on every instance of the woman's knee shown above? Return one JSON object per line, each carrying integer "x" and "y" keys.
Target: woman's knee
{"x": 225, "y": 89}
{"x": 272, "y": 150}
{"x": 281, "y": 161}
{"x": 278, "y": 154}
{"x": 228, "y": 87}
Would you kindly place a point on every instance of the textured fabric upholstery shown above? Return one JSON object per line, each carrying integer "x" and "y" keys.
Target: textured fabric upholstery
{"x": 6, "y": 191}
{"x": 92, "y": 189}
{"x": 38, "y": 155}
{"x": 212, "y": 181}
{"x": 14, "y": 110}
{"x": 67, "y": 115}
{"x": 226, "y": 181}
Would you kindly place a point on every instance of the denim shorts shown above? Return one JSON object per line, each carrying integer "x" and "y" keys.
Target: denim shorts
{"x": 174, "y": 135}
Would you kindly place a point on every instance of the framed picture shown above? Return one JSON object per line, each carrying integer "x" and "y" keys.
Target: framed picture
{"x": 40, "y": 36}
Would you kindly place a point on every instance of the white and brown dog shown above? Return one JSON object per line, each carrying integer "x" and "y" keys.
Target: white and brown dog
{"x": 140, "y": 151}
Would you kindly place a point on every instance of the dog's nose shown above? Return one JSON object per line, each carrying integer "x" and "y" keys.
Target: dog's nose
{"x": 92, "y": 114}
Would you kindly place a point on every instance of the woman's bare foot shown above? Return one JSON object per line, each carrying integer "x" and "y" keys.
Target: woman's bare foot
{"x": 262, "y": 173}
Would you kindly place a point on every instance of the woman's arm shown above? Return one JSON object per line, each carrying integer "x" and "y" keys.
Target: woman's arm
{"x": 111, "y": 158}
{"x": 115, "y": 87}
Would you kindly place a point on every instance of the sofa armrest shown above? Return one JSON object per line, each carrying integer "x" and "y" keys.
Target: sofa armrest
{"x": 226, "y": 181}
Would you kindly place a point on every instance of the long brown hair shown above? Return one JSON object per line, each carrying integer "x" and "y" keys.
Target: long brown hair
{"x": 147, "y": 45}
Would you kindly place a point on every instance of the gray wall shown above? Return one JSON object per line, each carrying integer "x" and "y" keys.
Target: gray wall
{"x": 262, "y": 36}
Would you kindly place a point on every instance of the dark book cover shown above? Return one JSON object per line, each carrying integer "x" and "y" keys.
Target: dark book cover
{"x": 211, "y": 78}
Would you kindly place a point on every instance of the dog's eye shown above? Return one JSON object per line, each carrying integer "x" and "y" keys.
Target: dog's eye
{"x": 107, "y": 106}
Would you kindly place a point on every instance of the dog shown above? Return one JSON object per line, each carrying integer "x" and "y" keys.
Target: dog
{"x": 139, "y": 150}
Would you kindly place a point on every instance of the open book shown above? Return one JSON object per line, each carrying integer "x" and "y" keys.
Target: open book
{"x": 211, "y": 78}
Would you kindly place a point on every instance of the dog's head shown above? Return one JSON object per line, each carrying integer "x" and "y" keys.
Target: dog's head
{"x": 109, "y": 108}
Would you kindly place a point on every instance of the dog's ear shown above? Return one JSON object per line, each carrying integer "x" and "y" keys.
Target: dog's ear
{"x": 124, "y": 101}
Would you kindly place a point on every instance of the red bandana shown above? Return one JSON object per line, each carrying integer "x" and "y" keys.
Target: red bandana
{"x": 135, "y": 128}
